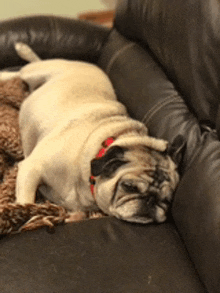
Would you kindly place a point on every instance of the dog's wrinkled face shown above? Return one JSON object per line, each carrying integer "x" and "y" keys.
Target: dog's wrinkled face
{"x": 135, "y": 184}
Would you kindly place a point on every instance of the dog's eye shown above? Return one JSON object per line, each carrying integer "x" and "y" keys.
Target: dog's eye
{"x": 129, "y": 187}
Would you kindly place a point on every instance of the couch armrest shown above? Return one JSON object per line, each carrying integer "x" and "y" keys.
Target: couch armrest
{"x": 51, "y": 37}
{"x": 196, "y": 211}
{"x": 150, "y": 97}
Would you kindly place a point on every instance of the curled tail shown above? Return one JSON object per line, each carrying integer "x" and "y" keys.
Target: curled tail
{"x": 26, "y": 53}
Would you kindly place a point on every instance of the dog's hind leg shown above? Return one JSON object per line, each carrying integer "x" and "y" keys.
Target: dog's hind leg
{"x": 7, "y": 75}
{"x": 28, "y": 181}
{"x": 26, "y": 53}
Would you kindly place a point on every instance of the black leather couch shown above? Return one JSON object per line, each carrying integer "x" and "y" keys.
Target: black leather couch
{"x": 163, "y": 59}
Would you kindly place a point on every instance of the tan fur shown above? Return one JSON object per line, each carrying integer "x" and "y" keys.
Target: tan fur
{"x": 14, "y": 217}
{"x": 72, "y": 109}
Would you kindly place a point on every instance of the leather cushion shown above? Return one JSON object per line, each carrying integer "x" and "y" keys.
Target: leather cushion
{"x": 104, "y": 255}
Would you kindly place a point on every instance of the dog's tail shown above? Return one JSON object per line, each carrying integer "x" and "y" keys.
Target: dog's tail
{"x": 26, "y": 53}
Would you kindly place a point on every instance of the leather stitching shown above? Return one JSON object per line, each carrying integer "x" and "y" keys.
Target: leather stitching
{"x": 117, "y": 54}
{"x": 158, "y": 107}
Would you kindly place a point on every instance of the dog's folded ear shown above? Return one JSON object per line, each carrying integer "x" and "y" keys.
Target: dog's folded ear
{"x": 176, "y": 149}
{"x": 109, "y": 163}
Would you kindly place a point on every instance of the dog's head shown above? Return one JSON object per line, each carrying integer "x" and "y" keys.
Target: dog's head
{"x": 136, "y": 183}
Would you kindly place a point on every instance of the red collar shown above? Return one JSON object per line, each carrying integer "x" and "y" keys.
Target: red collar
{"x": 100, "y": 154}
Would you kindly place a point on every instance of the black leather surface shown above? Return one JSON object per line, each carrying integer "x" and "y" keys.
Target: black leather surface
{"x": 101, "y": 256}
{"x": 142, "y": 86}
{"x": 196, "y": 211}
{"x": 184, "y": 37}
{"x": 107, "y": 255}
{"x": 148, "y": 94}
{"x": 51, "y": 37}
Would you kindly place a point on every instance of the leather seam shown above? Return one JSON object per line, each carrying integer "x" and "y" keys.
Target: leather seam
{"x": 116, "y": 55}
{"x": 148, "y": 116}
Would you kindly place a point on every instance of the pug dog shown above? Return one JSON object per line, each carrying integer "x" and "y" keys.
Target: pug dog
{"x": 83, "y": 151}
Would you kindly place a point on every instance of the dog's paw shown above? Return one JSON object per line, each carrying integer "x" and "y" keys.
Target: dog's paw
{"x": 97, "y": 215}
{"x": 76, "y": 216}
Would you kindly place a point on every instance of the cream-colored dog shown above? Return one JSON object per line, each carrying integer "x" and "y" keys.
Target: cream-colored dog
{"x": 71, "y": 111}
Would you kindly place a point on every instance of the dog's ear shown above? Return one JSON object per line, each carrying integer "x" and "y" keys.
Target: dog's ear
{"x": 176, "y": 149}
{"x": 109, "y": 163}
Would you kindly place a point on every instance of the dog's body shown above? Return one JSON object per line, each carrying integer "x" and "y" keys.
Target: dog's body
{"x": 71, "y": 111}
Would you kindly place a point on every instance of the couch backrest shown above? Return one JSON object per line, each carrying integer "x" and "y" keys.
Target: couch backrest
{"x": 184, "y": 37}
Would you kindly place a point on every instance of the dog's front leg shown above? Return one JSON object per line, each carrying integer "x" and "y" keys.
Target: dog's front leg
{"x": 28, "y": 179}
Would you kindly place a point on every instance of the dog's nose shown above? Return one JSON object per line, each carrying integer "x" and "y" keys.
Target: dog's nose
{"x": 160, "y": 176}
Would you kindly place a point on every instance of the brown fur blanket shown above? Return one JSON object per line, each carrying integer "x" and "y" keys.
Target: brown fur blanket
{"x": 15, "y": 218}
